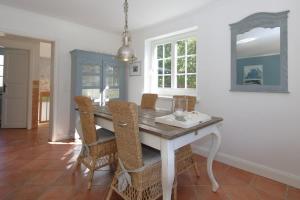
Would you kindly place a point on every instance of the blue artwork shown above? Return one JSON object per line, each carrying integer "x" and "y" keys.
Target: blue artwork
{"x": 253, "y": 75}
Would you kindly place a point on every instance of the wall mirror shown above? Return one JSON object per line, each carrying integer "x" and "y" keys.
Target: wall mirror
{"x": 259, "y": 53}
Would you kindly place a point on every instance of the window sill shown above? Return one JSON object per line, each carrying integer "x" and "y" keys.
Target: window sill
{"x": 167, "y": 94}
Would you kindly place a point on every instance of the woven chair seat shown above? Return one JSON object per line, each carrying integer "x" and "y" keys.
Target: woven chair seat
{"x": 150, "y": 155}
{"x": 104, "y": 135}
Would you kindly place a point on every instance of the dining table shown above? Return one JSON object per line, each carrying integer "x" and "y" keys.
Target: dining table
{"x": 167, "y": 139}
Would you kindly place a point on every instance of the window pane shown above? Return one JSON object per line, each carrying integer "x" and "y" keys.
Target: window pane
{"x": 1, "y": 81}
{"x": 160, "y": 51}
{"x": 1, "y": 70}
{"x": 191, "y": 46}
{"x": 191, "y": 81}
{"x": 160, "y": 81}
{"x": 181, "y": 81}
{"x": 168, "y": 66}
{"x": 191, "y": 64}
{"x": 167, "y": 81}
{"x": 181, "y": 48}
{"x": 93, "y": 93}
{"x": 168, "y": 50}
{"x": 90, "y": 81}
{"x": 1, "y": 60}
{"x": 180, "y": 65}
{"x": 160, "y": 66}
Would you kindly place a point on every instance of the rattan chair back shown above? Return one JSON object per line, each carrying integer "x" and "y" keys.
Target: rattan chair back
{"x": 148, "y": 101}
{"x": 190, "y": 101}
{"x": 125, "y": 121}
{"x": 86, "y": 118}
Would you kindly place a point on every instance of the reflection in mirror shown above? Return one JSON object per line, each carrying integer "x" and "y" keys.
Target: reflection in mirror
{"x": 258, "y": 57}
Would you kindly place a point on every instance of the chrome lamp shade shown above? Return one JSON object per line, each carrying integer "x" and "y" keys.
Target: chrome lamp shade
{"x": 125, "y": 52}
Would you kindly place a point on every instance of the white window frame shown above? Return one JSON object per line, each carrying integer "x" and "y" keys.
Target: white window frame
{"x": 1, "y": 87}
{"x": 167, "y": 92}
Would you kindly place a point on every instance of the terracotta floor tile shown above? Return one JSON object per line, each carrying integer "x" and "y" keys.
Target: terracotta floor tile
{"x": 235, "y": 176}
{"x": 27, "y": 193}
{"x": 240, "y": 193}
{"x": 5, "y": 190}
{"x": 58, "y": 193}
{"x": 186, "y": 193}
{"x": 205, "y": 193}
{"x": 45, "y": 177}
{"x": 267, "y": 196}
{"x": 31, "y": 168}
{"x": 270, "y": 187}
{"x": 15, "y": 177}
{"x": 218, "y": 169}
{"x": 293, "y": 193}
{"x": 95, "y": 193}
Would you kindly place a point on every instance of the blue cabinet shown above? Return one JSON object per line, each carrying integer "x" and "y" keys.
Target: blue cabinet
{"x": 99, "y": 76}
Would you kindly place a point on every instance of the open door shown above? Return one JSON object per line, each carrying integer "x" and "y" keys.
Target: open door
{"x": 15, "y": 88}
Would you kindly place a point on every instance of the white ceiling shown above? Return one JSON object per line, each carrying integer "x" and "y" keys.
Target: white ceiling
{"x": 108, "y": 14}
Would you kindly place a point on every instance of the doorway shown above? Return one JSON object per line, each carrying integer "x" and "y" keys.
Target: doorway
{"x": 34, "y": 78}
{"x": 15, "y": 71}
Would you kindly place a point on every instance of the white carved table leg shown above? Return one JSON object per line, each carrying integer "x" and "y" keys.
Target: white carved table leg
{"x": 212, "y": 153}
{"x": 168, "y": 168}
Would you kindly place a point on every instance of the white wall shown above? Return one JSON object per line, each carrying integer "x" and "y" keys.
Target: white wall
{"x": 67, "y": 36}
{"x": 261, "y": 131}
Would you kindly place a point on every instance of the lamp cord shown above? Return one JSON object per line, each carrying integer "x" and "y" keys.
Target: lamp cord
{"x": 126, "y": 16}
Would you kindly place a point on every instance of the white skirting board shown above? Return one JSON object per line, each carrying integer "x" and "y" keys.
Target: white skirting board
{"x": 262, "y": 170}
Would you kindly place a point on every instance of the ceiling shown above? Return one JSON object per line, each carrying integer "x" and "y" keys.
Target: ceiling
{"x": 108, "y": 14}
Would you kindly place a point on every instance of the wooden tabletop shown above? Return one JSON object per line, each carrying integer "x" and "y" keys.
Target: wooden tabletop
{"x": 147, "y": 123}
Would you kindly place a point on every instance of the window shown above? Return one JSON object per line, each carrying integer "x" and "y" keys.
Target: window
{"x": 175, "y": 64}
{"x": 186, "y": 63}
{"x": 1, "y": 71}
{"x": 164, "y": 69}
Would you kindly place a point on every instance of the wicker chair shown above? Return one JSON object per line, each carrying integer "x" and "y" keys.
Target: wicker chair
{"x": 140, "y": 164}
{"x": 184, "y": 155}
{"x": 148, "y": 101}
{"x": 99, "y": 147}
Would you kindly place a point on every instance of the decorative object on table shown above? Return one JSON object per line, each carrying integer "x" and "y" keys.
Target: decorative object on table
{"x": 190, "y": 119}
{"x": 184, "y": 102}
{"x": 135, "y": 69}
{"x": 259, "y": 52}
{"x": 149, "y": 101}
{"x": 125, "y": 52}
{"x": 99, "y": 147}
{"x": 138, "y": 175}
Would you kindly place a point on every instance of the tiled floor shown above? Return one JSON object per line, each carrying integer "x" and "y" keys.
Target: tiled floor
{"x": 31, "y": 168}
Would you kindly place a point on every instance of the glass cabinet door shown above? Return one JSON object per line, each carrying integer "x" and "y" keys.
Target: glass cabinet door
{"x": 113, "y": 79}
{"x": 91, "y": 82}
{"x": 89, "y": 75}
{"x": 111, "y": 89}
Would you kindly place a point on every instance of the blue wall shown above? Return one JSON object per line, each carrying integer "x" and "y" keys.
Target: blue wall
{"x": 271, "y": 68}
